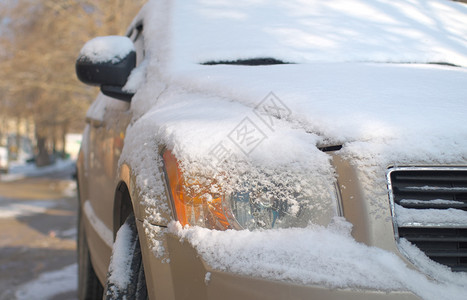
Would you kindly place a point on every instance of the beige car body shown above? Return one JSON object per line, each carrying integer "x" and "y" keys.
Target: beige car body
{"x": 183, "y": 277}
{"x": 108, "y": 192}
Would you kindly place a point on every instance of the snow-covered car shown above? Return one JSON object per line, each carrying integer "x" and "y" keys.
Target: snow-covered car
{"x": 277, "y": 150}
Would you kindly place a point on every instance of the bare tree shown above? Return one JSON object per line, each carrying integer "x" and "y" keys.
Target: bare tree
{"x": 40, "y": 40}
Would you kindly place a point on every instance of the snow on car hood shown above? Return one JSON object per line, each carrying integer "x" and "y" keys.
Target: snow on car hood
{"x": 345, "y": 102}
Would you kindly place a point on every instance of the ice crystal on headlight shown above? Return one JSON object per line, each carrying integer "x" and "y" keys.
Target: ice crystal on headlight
{"x": 243, "y": 196}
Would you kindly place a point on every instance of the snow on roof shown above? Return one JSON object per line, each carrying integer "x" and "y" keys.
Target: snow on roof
{"x": 309, "y": 31}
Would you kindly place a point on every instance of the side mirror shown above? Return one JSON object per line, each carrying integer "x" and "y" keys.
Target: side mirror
{"x": 107, "y": 61}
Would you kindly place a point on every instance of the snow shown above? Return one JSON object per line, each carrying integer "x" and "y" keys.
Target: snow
{"x": 303, "y": 31}
{"x": 435, "y": 188}
{"x": 17, "y": 171}
{"x": 71, "y": 189}
{"x": 328, "y": 257}
{"x": 49, "y": 284}
{"x": 120, "y": 266}
{"x": 430, "y": 267}
{"x": 155, "y": 235}
{"x": 364, "y": 84}
{"x": 14, "y": 210}
{"x": 207, "y": 278}
{"x": 427, "y": 217}
{"x": 107, "y": 49}
{"x": 205, "y": 123}
{"x": 69, "y": 233}
{"x": 432, "y": 202}
{"x": 328, "y": 98}
{"x": 136, "y": 78}
{"x": 191, "y": 108}
{"x": 22, "y": 170}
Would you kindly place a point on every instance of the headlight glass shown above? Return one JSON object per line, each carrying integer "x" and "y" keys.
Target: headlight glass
{"x": 202, "y": 201}
{"x": 263, "y": 209}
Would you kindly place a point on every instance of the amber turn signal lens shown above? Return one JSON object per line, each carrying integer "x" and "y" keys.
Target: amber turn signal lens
{"x": 194, "y": 203}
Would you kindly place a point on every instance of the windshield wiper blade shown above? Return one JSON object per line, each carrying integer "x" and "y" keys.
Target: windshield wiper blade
{"x": 248, "y": 62}
{"x": 444, "y": 64}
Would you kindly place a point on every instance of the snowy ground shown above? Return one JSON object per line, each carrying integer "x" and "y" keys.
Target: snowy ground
{"x": 38, "y": 238}
{"x": 59, "y": 169}
{"x": 50, "y": 284}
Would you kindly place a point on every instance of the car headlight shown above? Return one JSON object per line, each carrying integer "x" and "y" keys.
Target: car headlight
{"x": 202, "y": 201}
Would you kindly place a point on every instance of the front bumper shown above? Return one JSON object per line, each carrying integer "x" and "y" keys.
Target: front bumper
{"x": 184, "y": 275}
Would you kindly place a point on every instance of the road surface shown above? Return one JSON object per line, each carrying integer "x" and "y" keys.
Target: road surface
{"x": 38, "y": 239}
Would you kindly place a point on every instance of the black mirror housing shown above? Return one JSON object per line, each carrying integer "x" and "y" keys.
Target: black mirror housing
{"x": 106, "y": 73}
{"x": 107, "y": 62}
{"x": 116, "y": 92}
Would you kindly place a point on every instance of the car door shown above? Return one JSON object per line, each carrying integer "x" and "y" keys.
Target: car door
{"x": 106, "y": 125}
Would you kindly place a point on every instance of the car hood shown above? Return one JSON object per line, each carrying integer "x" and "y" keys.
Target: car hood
{"x": 346, "y": 102}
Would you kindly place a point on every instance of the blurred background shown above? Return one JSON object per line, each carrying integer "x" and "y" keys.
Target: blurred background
{"x": 41, "y": 101}
{"x": 42, "y": 113}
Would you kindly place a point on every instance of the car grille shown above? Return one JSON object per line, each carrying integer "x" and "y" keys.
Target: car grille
{"x": 420, "y": 199}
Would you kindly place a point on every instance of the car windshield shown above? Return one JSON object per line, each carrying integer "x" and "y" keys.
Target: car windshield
{"x": 297, "y": 31}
